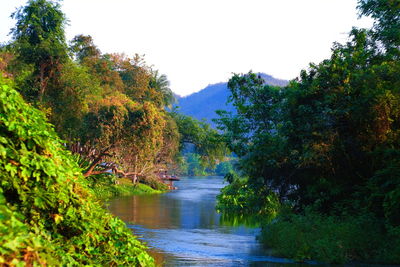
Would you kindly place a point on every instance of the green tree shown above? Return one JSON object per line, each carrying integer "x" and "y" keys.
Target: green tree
{"x": 39, "y": 40}
{"x": 224, "y": 168}
{"x": 82, "y": 46}
{"x": 386, "y": 15}
{"x": 208, "y": 143}
{"x": 320, "y": 140}
{"x": 161, "y": 84}
{"x": 48, "y": 215}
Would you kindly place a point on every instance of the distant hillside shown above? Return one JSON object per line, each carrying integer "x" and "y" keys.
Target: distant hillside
{"x": 203, "y": 104}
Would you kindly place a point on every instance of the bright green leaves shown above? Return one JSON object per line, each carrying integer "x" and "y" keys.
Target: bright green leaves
{"x": 242, "y": 198}
{"x": 57, "y": 218}
{"x": 45, "y": 207}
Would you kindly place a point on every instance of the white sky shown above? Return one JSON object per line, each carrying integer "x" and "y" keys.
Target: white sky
{"x": 200, "y": 42}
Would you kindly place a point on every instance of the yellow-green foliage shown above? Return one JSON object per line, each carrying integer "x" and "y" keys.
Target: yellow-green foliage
{"x": 121, "y": 190}
{"x": 47, "y": 214}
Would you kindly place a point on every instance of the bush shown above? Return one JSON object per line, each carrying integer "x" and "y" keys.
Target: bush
{"x": 48, "y": 215}
{"x": 240, "y": 197}
{"x": 154, "y": 183}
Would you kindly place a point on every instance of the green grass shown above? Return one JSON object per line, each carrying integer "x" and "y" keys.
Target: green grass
{"x": 124, "y": 188}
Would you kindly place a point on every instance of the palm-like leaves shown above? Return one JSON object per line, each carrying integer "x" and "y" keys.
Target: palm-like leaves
{"x": 161, "y": 84}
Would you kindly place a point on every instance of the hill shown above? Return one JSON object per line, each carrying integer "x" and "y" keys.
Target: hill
{"x": 203, "y": 104}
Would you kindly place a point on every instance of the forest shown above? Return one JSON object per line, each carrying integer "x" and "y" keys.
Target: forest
{"x": 320, "y": 157}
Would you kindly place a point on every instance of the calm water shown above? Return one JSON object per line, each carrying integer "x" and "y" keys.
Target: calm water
{"x": 182, "y": 228}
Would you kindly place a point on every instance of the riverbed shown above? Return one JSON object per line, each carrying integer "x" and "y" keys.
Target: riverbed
{"x": 182, "y": 228}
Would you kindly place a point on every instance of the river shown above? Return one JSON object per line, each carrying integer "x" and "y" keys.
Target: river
{"x": 182, "y": 228}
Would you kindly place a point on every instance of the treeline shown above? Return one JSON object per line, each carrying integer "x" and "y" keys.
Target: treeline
{"x": 190, "y": 164}
{"x": 324, "y": 152}
{"x": 109, "y": 108}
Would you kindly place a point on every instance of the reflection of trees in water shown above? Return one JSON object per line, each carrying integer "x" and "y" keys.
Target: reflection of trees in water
{"x": 152, "y": 211}
{"x": 167, "y": 210}
{"x": 248, "y": 220}
{"x": 184, "y": 222}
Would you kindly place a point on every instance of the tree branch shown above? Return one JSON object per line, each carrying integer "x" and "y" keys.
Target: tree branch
{"x": 97, "y": 160}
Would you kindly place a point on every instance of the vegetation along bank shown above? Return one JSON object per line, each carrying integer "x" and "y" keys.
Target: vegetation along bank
{"x": 319, "y": 159}
{"x": 70, "y": 116}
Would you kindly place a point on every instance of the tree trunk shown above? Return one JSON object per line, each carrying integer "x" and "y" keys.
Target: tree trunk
{"x": 134, "y": 179}
{"x": 42, "y": 82}
{"x": 97, "y": 161}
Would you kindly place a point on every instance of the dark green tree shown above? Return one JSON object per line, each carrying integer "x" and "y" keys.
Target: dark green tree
{"x": 82, "y": 46}
{"x": 386, "y": 15}
{"x": 321, "y": 140}
{"x": 39, "y": 40}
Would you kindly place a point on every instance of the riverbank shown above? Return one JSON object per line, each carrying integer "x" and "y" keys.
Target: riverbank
{"x": 48, "y": 214}
{"x": 124, "y": 188}
{"x": 332, "y": 239}
{"x": 310, "y": 235}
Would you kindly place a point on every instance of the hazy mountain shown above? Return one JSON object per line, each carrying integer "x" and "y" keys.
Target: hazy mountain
{"x": 203, "y": 104}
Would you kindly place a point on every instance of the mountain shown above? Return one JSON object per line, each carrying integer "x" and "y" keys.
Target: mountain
{"x": 203, "y": 104}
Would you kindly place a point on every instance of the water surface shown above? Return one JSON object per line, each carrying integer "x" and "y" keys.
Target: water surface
{"x": 182, "y": 227}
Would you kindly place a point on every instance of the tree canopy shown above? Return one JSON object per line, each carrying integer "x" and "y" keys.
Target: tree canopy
{"x": 109, "y": 108}
{"x": 330, "y": 139}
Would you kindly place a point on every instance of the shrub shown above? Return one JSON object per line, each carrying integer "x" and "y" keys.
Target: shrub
{"x": 48, "y": 216}
{"x": 240, "y": 197}
{"x": 154, "y": 183}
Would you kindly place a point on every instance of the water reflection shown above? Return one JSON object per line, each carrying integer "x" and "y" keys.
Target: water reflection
{"x": 182, "y": 227}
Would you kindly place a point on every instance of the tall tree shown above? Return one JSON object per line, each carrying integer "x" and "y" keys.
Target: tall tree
{"x": 82, "y": 46}
{"x": 161, "y": 84}
{"x": 329, "y": 138}
{"x": 39, "y": 40}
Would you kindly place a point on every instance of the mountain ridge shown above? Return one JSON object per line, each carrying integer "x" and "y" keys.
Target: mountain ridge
{"x": 203, "y": 104}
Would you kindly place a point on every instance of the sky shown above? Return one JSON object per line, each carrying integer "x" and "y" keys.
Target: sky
{"x": 201, "y": 42}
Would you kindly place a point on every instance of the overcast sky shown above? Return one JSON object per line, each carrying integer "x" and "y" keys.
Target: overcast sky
{"x": 200, "y": 42}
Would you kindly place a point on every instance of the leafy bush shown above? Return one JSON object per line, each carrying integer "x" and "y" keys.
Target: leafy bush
{"x": 154, "y": 183}
{"x": 240, "y": 197}
{"x": 48, "y": 216}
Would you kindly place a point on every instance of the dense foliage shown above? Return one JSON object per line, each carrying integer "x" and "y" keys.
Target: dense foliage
{"x": 47, "y": 214}
{"x": 110, "y": 111}
{"x": 109, "y": 108}
{"x": 241, "y": 197}
{"x": 329, "y": 141}
{"x": 207, "y": 145}
{"x": 191, "y": 164}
